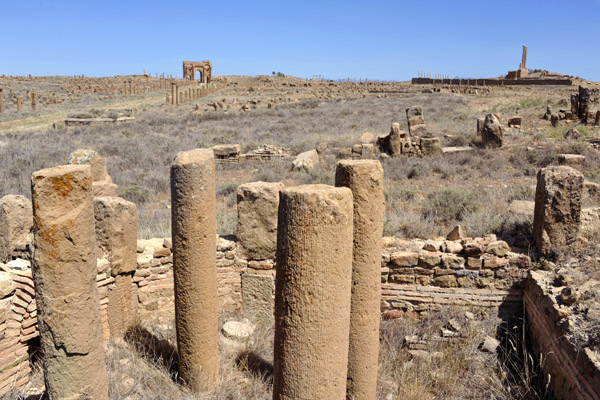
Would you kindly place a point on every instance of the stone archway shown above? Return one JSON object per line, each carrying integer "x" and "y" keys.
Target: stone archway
{"x": 203, "y": 67}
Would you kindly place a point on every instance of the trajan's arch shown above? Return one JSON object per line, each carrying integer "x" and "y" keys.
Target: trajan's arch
{"x": 191, "y": 67}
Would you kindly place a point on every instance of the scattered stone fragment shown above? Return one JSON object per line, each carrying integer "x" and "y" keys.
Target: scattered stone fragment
{"x": 490, "y": 345}
{"x": 456, "y": 233}
{"x": 569, "y": 296}
{"x": 491, "y": 133}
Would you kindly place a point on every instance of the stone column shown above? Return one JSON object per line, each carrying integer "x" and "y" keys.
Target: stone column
{"x": 64, "y": 272}
{"x": 584, "y": 103}
{"x": 193, "y": 216}
{"x": 33, "y": 102}
{"x": 557, "y": 214}
{"x": 1, "y": 101}
{"x": 365, "y": 180}
{"x": 173, "y": 94}
{"x": 116, "y": 235}
{"x": 312, "y": 293}
{"x": 19, "y": 104}
{"x": 167, "y": 98}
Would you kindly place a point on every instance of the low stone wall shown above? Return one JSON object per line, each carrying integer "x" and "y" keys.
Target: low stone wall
{"x": 18, "y": 323}
{"x": 574, "y": 373}
{"x": 494, "y": 82}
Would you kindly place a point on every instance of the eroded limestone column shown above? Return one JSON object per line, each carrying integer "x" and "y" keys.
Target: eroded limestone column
{"x": 173, "y": 94}
{"x": 557, "y": 214}
{"x": 312, "y": 293}
{"x": 194, "y": 231}
{"x": 1, "y": 101}
{"x": 64, "y": 272}
{"x": 365, "y": 180}
{"x": 19, "y": 104}
{"x": 116, "y": 235}
{"x": 33, "y": 102}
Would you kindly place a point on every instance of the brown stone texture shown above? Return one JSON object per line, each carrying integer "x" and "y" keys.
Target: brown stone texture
{"x": 116, "y": 232}
{"x": 195, "y": 266}
{"x": 584, "y": 102}
{"x": 312, "y": 292}
{"x": 101, "y": 182}
{"x": 122, "y": 305}
{"x": 257, "y": 295}
{"x": 416, "y": 121}
{"x": 365, "y": 180}
{"x": 491, "y": 132}
{"x": 430, "y": 146}
{"x": 395, "y": 139}
{"x": 557, "y": 213}
{"x": 257, "y": 205}
{"x": 16, "y": 221}
{"x": 64, "y": 272}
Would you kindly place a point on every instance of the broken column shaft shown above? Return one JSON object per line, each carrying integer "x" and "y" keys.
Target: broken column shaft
{"x": 64, "y": 273}
{"x": 194, "y": 232}
{"x": 312, "y": 292}
{"x": 365, "y": 180}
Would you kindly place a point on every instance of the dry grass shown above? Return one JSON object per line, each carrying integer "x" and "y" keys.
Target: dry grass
{"x": 144, "y": 367}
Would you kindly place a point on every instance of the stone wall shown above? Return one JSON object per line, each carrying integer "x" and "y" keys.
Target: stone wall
{"x": 494, "y": 82}
{"x": 575, "y": 373}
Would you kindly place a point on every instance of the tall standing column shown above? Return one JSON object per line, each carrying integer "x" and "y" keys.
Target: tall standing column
{"x": 33, "y": 102}
{"x": 1, "y": 101}
{"x": 194, "y": 231}
{"x": 19, "y": 104}
{"x": 173, "y": 94}
{"x": 64, "y": 273}
{"x": 312, "y": 293}
{"x": 365, "y": 180}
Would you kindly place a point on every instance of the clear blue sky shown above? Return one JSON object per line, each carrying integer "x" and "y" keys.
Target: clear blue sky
{"x": 389, "y": 40}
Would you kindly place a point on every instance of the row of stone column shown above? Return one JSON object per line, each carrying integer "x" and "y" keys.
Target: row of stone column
{"x": 327, "y": 291}
{"x": 180, "y": 95}
{"x": 130, "y": 88}
{"x": 327, "y": 288}
{"x": 19, "y": 102}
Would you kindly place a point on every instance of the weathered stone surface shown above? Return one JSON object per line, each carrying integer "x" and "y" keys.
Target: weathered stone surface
{"x": 572, "y": 134}
{"x": 456, "y": 233}
{"x": 312, "y": 293}
{"x": 365, "y": 180}
{"x": 498, "y": 248}
{"x": 116, "y": 233}
{"x": 405, "y": 259}
{"x": 430, "y": 146}
{"x": 195, "y": 267}
{"x": 122, "y": 305}
{"x": 491, "y": 132}
{"x": 515, "y": 121}
{"x": 64, "y": 272}
{"x": 416, "y": 121}
{"x": 16, "y": 221}
{"x": 490, "y": 344}
{"x": 557, "y": 207}
{"x": 7, "y": 285}
{"x": 257, "y": 295}
{"x": 102, "y": 183}
{"x": 225, "y": 151}
{"x": 306, "y": 161}
{"x": 237, "y": 330}
{"x": 572, "y": 160}
{"x": 257, "y": 205}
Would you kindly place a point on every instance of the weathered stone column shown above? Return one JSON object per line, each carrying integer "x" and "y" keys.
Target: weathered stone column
{"x": 173, "y": 94}
{"x": 365, "y": 180}
{"x": 64, "y": 272}
{"x": 1, "y": 101}
{"x": 19, "y": 104}
{"x": 584, "y": 103}
{"x": 33, "y": 102}
{"x": 312, "y": 293}
{"x": 116, "y": 235}
{"x": 193, "y": 216}
{"x": 557, "y": 213}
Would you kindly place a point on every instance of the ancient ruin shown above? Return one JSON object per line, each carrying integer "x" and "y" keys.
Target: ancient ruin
{"x": 64, "y": 273}
{"x": 365, "y": 180}
{"x": 203, "y": 67}
{"x": 312, "y": 293}
{"x": 195, "y": 267}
